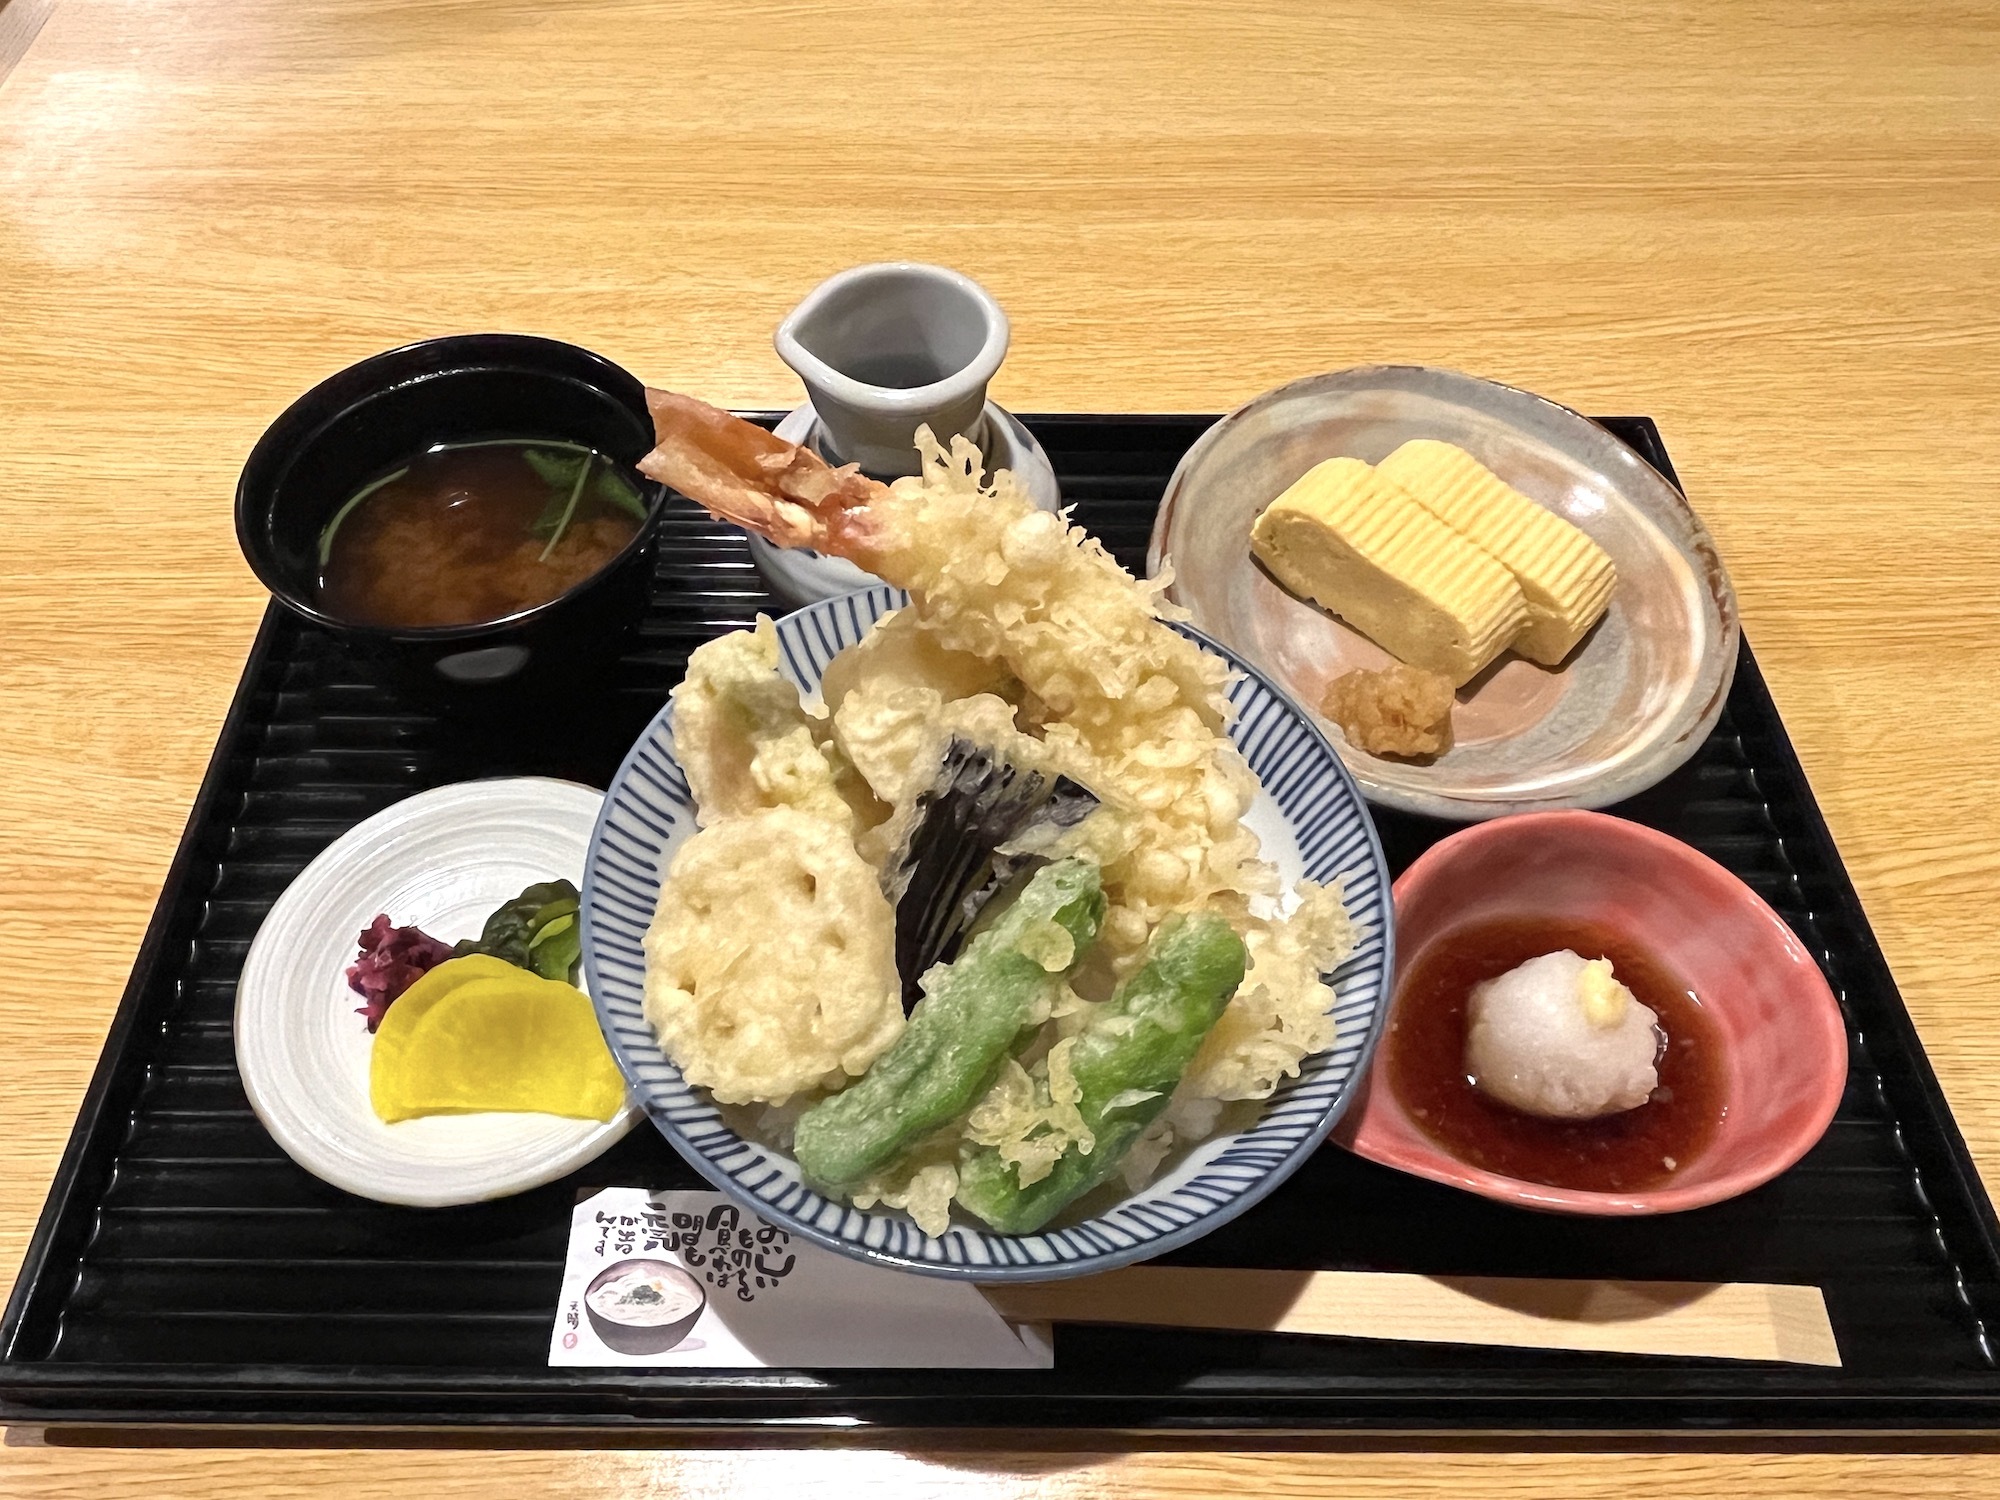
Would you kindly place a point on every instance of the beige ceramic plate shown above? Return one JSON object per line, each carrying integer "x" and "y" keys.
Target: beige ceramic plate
{"x": 1631, "y": 703}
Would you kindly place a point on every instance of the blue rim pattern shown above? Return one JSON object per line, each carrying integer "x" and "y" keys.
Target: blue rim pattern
{"x": 648, "y": 810}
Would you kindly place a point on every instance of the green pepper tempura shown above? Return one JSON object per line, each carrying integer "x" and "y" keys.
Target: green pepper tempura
{"x": 1127, "y": 1061}
{"x": 970, "y": 1018}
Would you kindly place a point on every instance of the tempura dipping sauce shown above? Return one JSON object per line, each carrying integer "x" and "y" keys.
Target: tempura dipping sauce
{"x": 1631, "y": 1151}
{"x": 472, "y": 532}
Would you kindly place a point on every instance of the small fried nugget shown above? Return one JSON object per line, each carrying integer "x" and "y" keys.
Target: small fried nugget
{"x": 1400, "y": 710}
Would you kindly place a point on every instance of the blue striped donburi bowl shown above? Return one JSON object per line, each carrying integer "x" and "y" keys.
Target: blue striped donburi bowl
{"x": 1313, "y": 826}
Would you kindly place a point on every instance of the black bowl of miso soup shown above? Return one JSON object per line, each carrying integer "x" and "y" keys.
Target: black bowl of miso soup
{"x": 467, "y": 507}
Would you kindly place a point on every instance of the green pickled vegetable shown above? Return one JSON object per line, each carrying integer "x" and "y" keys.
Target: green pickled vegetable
{"x": 1128, "y": 1060}
{"x": 536, "y": 931}
{"x": 960, "y": 1032}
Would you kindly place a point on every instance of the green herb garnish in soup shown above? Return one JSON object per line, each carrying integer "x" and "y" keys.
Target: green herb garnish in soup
{"x": 470, "y": 532}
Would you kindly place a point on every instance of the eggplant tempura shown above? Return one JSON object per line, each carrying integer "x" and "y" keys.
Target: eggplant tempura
{"x": 1025, "y": 640}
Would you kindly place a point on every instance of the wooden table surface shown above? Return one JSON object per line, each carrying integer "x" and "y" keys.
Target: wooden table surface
{"x": 1775, "y": 227}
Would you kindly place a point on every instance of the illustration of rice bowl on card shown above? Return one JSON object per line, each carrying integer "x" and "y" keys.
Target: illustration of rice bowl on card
{"x": 643, "y": 1306}
{"x": 690, "y": 1279}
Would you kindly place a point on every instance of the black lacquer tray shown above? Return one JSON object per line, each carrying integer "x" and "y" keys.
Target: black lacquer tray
{"x": 185, "y": 1271}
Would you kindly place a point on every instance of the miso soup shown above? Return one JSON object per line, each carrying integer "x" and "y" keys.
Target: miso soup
{"x": 472, "y": 532}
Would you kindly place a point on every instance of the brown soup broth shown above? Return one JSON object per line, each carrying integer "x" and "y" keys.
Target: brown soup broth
{"x": 458, "y": 535}
{"x": 1628, "y": 1152}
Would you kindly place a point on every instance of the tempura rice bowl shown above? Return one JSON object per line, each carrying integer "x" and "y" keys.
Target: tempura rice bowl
{"x": 1311, "y": 821}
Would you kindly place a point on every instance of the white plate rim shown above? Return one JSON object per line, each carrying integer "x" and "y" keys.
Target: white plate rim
{"x": 292, "y": 1128}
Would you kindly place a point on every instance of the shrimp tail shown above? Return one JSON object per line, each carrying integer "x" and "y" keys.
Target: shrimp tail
{"x": 739, "y": 472}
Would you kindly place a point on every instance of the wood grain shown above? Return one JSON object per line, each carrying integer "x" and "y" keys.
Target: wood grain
{"x": 1774, "y": 226}
{"x": 963, "y": 1473}
{"x": 1734, "y": 1320}
{"x": 20, "y": 22}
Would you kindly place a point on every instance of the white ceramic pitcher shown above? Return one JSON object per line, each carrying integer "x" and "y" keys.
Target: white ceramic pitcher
{"x": 884, "y": 349}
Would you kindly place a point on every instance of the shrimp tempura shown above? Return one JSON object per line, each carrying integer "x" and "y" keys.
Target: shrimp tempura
{"x": 1125, "y": 704}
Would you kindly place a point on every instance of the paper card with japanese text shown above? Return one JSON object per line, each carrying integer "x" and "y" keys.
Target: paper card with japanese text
{"x": 688, "y": 1279}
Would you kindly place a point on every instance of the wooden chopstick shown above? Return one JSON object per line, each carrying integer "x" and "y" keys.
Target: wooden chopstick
{"x": 1717, "y": 1320}
{"x": 20, "y": 22}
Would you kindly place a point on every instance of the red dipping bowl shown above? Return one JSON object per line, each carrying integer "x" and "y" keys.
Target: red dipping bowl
{"x": 1784, "y": 1044}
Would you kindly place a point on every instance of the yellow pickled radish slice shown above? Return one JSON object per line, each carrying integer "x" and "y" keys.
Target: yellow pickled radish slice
{"x": 435, "y": 983}
{"x": 497, "y": 1038}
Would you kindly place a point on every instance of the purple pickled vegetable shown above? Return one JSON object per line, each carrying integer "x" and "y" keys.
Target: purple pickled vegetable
{"x": 391, "y": 960}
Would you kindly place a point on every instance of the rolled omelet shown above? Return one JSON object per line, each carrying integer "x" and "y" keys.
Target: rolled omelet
{"x": 1358, "y": 545}
{"x": 1565, "y": 577}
